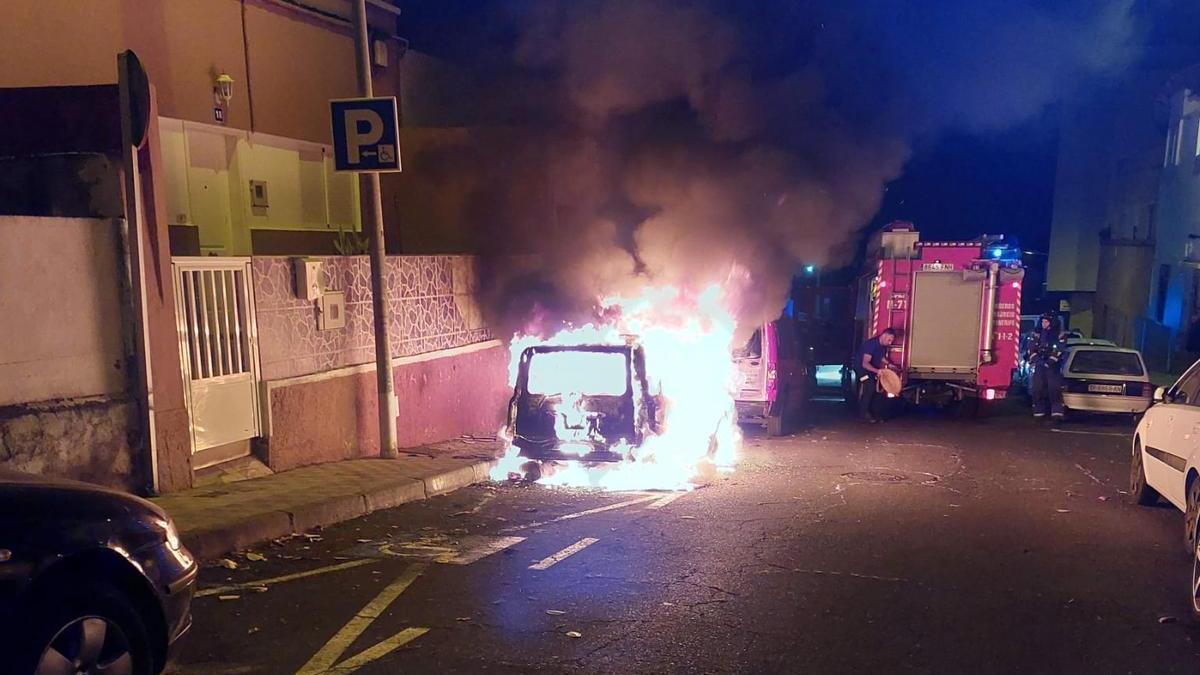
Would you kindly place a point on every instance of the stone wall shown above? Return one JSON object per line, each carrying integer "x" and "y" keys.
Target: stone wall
{"x": 84, "y": 439}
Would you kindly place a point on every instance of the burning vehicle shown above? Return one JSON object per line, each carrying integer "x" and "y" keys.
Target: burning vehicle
{"x": 642, "y": 401}
{"x": 582, "y": 402}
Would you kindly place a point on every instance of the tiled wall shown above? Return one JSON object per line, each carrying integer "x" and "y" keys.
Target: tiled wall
{"x": 430, "y": 307}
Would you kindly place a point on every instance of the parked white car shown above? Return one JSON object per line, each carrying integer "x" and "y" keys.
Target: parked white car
{"x": 1102, "y": 378}
{"x": 1166, "y": 450}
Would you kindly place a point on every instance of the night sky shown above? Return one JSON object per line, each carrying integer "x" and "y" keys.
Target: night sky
{"x": 953, "y": 105}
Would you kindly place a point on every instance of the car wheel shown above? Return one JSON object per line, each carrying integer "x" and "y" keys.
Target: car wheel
{"x": 1191, "y": 516}
{"x": 97, "y": 631}
{"x": 1139, "y": 490}
{"x": 775, "y": 421}
{"x": 1196, "y": 576}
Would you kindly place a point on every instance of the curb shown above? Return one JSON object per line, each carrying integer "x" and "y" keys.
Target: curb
{"x": 210, "y": 543}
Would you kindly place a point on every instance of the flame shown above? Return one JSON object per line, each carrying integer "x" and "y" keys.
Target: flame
{"x": 687, "y": 340}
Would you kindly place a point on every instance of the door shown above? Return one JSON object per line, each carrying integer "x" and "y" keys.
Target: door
{"x": 751, "y": 364}
{"x": 944, "y": 334}
{"x": 218, "y": 338}
{"x": 1172, "y": 437}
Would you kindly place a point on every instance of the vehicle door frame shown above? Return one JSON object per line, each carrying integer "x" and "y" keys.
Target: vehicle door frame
{"x": 1167, "y": 455}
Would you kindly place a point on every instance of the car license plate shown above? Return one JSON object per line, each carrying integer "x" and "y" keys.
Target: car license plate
{"x": 1106, "y": 388}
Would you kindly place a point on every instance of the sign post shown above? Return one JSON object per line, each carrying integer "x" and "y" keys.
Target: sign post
{"x": 366, "y": 139}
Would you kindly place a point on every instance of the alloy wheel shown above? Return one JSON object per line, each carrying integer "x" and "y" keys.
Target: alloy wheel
{"x": 1196, "y": 576}
{"x": 90, "y": 645}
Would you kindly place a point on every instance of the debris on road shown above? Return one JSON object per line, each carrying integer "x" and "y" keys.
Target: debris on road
{"x": 555, "y": 612}
{"x": 256, "y": 557}
{"x": 229, "y": 597}
{"x": 574, "y": 634}
{"x": 1166, "y": 619}
{"x": 1063, "y": 510}
{"x": 227, "y": 564}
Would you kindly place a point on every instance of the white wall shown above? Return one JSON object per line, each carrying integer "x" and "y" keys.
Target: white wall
{"x": 61, "y": 322}
{"x": 208, "y": 169}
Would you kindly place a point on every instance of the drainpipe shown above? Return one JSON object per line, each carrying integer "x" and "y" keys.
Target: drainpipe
{"x": 989, "y": 313}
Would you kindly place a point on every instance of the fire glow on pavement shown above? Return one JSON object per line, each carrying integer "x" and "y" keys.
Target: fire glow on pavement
{"x": 687, "y": 341}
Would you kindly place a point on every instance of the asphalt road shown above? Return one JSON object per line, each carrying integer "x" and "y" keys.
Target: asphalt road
{"x": 929, "y": 544}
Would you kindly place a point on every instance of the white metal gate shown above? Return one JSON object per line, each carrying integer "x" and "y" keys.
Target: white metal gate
{"x": 218, "y": 337}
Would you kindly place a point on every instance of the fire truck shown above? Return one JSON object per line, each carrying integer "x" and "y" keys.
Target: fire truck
{"x": 956, "y": 307}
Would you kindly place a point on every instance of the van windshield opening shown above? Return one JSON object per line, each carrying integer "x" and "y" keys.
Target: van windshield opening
{"x": 579, "y": 372}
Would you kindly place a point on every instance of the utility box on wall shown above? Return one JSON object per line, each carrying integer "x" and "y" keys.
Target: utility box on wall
{"x": 308, "y": 278}
{"x": 332, "y": 312}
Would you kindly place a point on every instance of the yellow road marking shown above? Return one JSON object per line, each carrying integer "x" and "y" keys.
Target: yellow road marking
{"x": 287, "y": 577}
{"x": 341, "y": 641}
{"x": 378, "y": 651}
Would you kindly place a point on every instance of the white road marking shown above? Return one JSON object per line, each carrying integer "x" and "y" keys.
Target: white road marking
{"x": 324, "y": 659}
{"x": 547, "y": 563}
{"x": 1088, "y": 433}
{"x": 665, "y": 500}
{"x": 378, "y": 651}
{"x": 580, "y": 514}
{"x": 287, "y": 577}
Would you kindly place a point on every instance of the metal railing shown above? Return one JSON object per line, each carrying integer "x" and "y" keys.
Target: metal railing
{"x": 215, "y": 310}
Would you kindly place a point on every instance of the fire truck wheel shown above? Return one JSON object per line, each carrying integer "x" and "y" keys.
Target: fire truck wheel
{"x": 968, "y": 407}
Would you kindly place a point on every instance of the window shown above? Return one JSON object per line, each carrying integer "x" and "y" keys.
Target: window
{"x": 579, "y": 372}
{"x": 1178, "y": 147}
{"x": 1160, "y": 292}
{"x": 1186, "y": 389}
{"x": 1105, "y": 362}
{"x": 753, "y": 348}
{"x": 1169, "y": 151}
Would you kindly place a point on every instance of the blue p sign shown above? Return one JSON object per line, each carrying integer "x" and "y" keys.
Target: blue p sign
{"x": 366, "y": 136}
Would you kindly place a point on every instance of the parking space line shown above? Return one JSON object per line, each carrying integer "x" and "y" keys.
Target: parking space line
{"x": 341, "y": 641}
{"x": 1090, "y": 433}
{"x": 287, "y": 577}
{"x": 378, "y": 651}
{"x": 665, "y": 500}
{"x": 547, "y": 563}
{"x": 580, "y": 514}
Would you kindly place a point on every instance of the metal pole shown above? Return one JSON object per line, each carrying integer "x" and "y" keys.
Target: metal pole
{"x": 388, "y": 406}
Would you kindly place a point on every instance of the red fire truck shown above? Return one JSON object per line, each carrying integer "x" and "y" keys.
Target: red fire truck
{"x": 956, "y": 307}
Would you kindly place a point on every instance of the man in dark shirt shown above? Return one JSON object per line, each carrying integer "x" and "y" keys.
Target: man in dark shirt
{"x": 872, "y": 358}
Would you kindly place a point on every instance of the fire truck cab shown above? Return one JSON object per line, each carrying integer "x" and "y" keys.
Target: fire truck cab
{"x": 956, "y": 308}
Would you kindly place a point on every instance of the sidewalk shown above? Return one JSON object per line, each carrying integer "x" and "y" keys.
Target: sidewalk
{"x": 217, "y": 519}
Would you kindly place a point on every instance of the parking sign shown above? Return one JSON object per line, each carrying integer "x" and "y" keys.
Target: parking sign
{"x": 366, "y": 135}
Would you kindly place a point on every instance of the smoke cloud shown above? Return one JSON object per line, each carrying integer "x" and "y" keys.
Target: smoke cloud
{"x": 694, "y": 142}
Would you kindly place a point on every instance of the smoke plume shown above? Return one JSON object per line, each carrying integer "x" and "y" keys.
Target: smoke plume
{"x": 695, "y": 142}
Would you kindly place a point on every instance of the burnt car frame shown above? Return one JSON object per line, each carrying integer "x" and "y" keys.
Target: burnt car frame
{"x": 599, "y": 426}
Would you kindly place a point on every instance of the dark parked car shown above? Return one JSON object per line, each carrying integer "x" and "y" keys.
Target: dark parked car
{"x": 92, "y": 580}
{"x": 586, "y": 402}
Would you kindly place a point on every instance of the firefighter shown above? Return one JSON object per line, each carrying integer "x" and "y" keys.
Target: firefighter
{"x": 1044, "y": 354}
{"x": 872, "y": 358}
